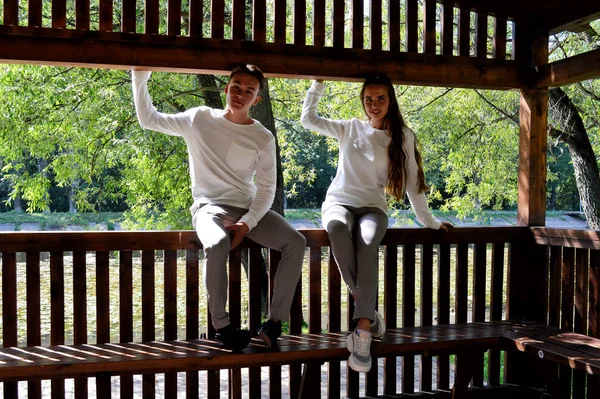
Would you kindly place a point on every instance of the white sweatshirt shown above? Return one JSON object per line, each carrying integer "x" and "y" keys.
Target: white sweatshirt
{"x": 362, "y": 170}
{"x": 224, "y": 156}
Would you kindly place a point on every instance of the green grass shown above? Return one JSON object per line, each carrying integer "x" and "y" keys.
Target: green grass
{"x": 303, "y": 213}
{"x": 60, "y": 220}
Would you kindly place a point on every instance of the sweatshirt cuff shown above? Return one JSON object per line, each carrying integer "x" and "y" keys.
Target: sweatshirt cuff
{"x": 141, "y": 76}
{"x": 249, "y": 220}
{"x": 318, "y": 86}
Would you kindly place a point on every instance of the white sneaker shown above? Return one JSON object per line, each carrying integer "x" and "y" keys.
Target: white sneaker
{"x": 378, "y": 326}
{"x": 359, "y": 345}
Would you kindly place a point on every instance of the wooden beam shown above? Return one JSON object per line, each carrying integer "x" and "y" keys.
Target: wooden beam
{"x": 570, "y": 70}
{"x": 195, "y": 55}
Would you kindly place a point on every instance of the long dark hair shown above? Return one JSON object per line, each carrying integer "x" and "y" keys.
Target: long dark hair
{"x": 394, "y": 125}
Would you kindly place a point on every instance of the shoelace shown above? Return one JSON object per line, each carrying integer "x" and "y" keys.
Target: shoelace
{"x": 363, "y": 345}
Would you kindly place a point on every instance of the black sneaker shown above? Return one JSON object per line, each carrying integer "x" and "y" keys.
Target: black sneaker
{"x": 233, "y": 338}
{"x": 269, "y": 332}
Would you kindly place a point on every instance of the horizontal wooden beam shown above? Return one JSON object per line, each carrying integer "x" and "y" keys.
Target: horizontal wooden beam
{"x": 570, "y": 70}
{"x": 61, "y": 47}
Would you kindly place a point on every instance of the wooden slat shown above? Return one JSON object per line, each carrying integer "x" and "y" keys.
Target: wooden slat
{"x": 496, "y": 294}
{"x": 358, "y": 16}
{"x": 128, "y": 16}
{"x": 170, "y": 309}
{"x": 296, "y": 328}
{"x": 464, "y": 32}
{"x": 82, "y": 14}
{"x": 59, "y": 14}
{"x": 217, "y": 19}
{"x": 390, "y": 313}
{"x": 570, "y": 70}
{"x": 581, "y": 313}
{"x": 499, "y": 43}
{"x": 412, "y": 26}
{"x": 394, "y": 25}
{"x": 254, "y": 281}
{"x": 192, "y": 309}
{"x": 299, "y": 22}
{"x": 319, "y": 23}
{"x": 408, "y": 314}
{"x": 152, "y": 17}
{"x": 174, "y": 18}
{"x": 235, "y": 287}
{"x": 280, "y": 21}
{"x": 566, "y": 322}
{"x": 11, "y": 12}
{"x": 106, "y": 15}
{"x": 352, "y": 382}
{"x": 196, "y": 17}
{"x": 338, "y": 23}
{"x": 275, "y": 381}
{"x": 426, "y": 311}
{"x": 259, "y": 21}
{"x": 34, "y": 12}
{"x": 447, "y": 27}
{"x": 102, "y": 311}
{"x": 481, "y": 28}
{"x": 34, "y": 336}
{"x": 9, "y": 312}
{"x": 375, "y": 17}
{"x": 126, "y": 312}
{"x": 80, "y": 312}
{"x": 429, "y": 10}
{"x": 555, "y": 285}
{"x": 593, "y": 383}
{"x": 334, "y": 324}
{"x": 238, "y": 20}
{"x": 462, "y": 282}
{"x": 479, "y": 300}
{"x": 148, "y": 313}
{"x": 314, "y": 290}
{"x": 443, "y": 312}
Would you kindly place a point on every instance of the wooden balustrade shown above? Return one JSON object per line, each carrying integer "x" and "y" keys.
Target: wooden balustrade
{"x": 103, "y": 287}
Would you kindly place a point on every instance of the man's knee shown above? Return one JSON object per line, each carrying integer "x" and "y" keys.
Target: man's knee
{"x": 218, "y": 248}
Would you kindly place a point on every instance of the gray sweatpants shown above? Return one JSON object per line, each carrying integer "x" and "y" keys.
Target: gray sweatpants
{"x": 358, "y": 264}
{"x": 272, "y": 231}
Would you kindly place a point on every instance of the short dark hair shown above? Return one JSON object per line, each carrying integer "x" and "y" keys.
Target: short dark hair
{"x": 251, "y": 70}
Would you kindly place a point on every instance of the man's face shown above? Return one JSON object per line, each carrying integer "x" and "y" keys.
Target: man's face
{"x": 242, "y": 92}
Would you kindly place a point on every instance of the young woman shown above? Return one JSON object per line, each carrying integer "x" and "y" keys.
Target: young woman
{"x": 375, "y": 156}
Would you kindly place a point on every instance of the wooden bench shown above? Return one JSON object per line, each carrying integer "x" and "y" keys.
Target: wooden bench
{"x": 102, "y": 360}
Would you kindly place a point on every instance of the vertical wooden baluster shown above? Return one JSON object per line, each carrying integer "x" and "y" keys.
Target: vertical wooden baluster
{"x": 447, "y": 27}
{"x": 106, "y": 15}
{"x": 34, "y": 336}
{"x": 319, "y": 23}
{"x": 496, "y": 291}
{"x": 59, "y": 14}
{"x": 358, "y": 10}
{"x": 352, "y": 377}
{"x": 259, "y": 21}
{"x": 408, "y": 314}
{"x": 80, "y": 313}
{"x": 499, "y": 49}
{"x": 593, "y": 382}
{"x": 82, "y": 14}
{"x": 426, "y": 311}
{"x": 275, "y": 383}
{"x": 35, "y": 13}
{"x": 128, "y": 16}
{"x": 102, "y": 311}
{"x": 152, "y": 16}
{"x": 390, "y": 313}
{"x": 296, "y": 328}
{"x": 479, "y": 301}
{"x": 394, "y": 25}
{"x": 196, "y": 17}
{"x": 338, "y": 23}
{"x": 443, "y": 368}
{"x": 11, "y": 12}
{"x": 280, "y": 21}
{"x": 174, "y": 18}
{"x": 170, "y": 293}
{"x": 464, "y": 32}
{"x": 568, "y": 292}
{"x": 235, "y": 308}
{"x": 238, "y": 20}
{"x": 126, "y": 312}
{"x": 9, "y": 312}
{"x": 217, "y": 19}
{"x": 314, "y": 291}
{"x": 335, "y": 324}
{"x": 461, "y": 289}
{"x": 375, "y": 17}
{"x": 581, "y": 312}
{"x": 481, "y": 28}
{"x": 192, "y": 309}
{"x": 148, "y": 313}
{"x": 57, "y": 311}
{"x": 412, "y": 26}
{"x": 299, "y": 22}
{"x": 429, "y": 17}
{"x": 254, "y": 281}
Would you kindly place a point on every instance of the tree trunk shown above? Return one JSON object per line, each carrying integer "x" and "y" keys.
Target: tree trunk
{"x": 18, "y": 206}
{"x": 574, "y": 134}
{"x": 72, "y": 207}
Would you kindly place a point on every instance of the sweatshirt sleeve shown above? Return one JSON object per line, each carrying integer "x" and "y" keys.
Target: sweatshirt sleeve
{"x": 149, "y": 118}
{"x": 417, "y": 200}
{"x": 310, "y": 119}
{"x": 266, "y": 181}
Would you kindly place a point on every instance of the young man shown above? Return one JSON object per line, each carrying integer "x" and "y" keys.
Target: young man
{"x": 233, "y": 173}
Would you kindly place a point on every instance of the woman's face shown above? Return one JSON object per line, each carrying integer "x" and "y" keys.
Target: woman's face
{"x": 376, "y": 101}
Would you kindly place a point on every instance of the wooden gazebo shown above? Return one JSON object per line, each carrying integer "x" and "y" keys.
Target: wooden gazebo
{"x": 553, "y": 275}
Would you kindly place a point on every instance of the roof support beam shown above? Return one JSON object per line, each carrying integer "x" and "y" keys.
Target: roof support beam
{"x": 570, "y": 70}
{"x": 193, "y": 55}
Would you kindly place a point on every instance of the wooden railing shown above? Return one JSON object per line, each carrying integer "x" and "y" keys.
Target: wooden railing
{"x": 300, "y": 38}
{"x": 103, "y": 287}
